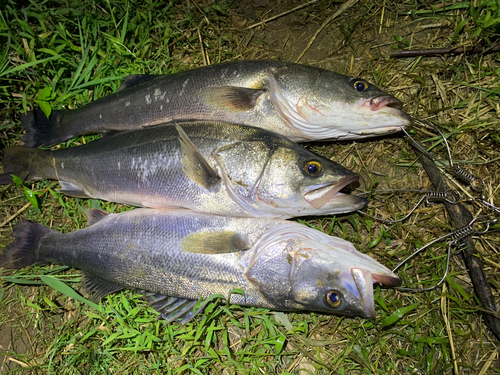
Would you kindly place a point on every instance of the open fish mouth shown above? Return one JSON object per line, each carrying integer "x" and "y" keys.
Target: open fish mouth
{"x": 385, "y": 101}
{"x": 364, "y": 281}
{"x": 318, "y": 195}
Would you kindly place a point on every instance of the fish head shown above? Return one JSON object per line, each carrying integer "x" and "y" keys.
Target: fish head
{"x": 277, "y": 177}
{"x": 317, "y": 272}
{"x": 337, "y": 279}
{"x": 321, "y": 104}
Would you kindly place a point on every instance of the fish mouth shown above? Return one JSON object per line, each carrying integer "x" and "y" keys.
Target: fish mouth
{"x": 364, "y": 284}
{"x": 318, "y": 195}
{"x": 364, "y": 281}
{"x": 387, "y": 104}
{"x": 380, "y": 102}
{"x": 387, "y": 279}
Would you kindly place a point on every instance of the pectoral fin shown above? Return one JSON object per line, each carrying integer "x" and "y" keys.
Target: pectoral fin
{"x": 216, "y": 242}
{"x": 195, "y": 165}
{"x": 232, "y": 97}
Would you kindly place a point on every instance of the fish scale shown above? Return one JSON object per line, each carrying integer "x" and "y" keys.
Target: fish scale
{"x": 277, "y": 264}
{"x": 301, "y": 102}
{"x": 212, "y": 167}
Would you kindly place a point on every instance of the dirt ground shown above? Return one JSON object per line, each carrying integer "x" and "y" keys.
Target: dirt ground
{"x": 358, "y": 43}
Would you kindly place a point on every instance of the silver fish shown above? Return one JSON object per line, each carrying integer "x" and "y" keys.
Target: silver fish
{"x": 218, "y": 168}
{"x": 300, "y": 102}
{"x": 180, "y": 256}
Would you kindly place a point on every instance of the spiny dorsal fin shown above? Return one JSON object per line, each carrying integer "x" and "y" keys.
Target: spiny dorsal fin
{"x": 171, "y": 308}
{"x": 136, "y": 79}
{"x": 195, "y": 165}
{"x": 214, "y": 242}
{"x": 95, "y": 215}
{"x": 234, "y": 98}
{"x": 98, "y": 287}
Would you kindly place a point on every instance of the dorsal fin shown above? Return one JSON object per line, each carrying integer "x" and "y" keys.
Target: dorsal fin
{"x": 95, "y": 215}
{"x": 195, "y": 165}
{"x": 136, "y": 79}
{"x": 98, "y": 287}
{"x": 214, "y": 242}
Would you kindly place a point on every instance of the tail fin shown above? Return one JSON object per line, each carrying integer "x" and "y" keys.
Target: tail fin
{"x": 40, "y": 129}
{"x": 23, "y": 251}
{"x": 26, "y": 163}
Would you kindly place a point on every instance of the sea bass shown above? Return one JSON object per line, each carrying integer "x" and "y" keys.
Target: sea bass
{"x": 218, "y": 168}
{"x": 181, "y": 256}
{"x": 301, "y": 102}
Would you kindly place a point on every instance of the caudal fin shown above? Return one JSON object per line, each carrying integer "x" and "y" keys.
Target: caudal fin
{"x": 26, "y": 163}
{"x": 40, "y": 129}
{"x": 22, "y": 252}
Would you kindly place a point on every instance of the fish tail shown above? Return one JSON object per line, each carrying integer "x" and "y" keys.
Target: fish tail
{"x": 23, "y": 252}
{"x": 26, "y": 163}
{"x": 41, "y": 131}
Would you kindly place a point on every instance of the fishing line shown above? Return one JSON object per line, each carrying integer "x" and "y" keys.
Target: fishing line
{"x": 476, "y": 183}
{"x": 458, "y": 172}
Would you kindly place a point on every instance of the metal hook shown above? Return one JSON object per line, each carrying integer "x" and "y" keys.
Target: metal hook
{"x": 430, "y": 197}
{"x": 456, "y": 236}
{"x": 467, "y": 177}
{"x": 450, "y": 196}
{"x": 448, "y": 256}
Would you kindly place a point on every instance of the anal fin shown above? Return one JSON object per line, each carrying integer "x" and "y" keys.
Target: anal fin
{"x": 72, "y": 190}
{"x": 98, "y": 287}
{"x": 174, "y": 309}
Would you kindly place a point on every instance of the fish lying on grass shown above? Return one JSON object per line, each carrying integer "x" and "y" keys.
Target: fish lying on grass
{"x": 218, "y": 168}
{"x": 179, "y": 256}
{"x": 300, "y": 102}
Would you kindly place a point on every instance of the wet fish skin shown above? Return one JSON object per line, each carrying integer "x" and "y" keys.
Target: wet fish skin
{"x": 279, "y": 265}
{"x": 301, "y": 102}
{"x": 249, "y": 172}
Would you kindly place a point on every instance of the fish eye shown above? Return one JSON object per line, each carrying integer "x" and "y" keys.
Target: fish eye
{"x": 312, "y": 168}
{"x": 333, "y": 298}
{"x": 360, "y": 86}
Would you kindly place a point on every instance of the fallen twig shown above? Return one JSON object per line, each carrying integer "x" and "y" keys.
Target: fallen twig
{"x": 461, "y": 217}
{"x": 12, "y": 217}
{"x": 282, "y": 14}
{"x": 446, "y": 51}
{"x": 341, "y": 9}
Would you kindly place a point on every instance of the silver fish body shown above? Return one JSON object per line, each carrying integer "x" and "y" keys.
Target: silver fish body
{"x": 301, "y": 102}
{"x": 218, "y": 168}
{"x": 278, "y": 264}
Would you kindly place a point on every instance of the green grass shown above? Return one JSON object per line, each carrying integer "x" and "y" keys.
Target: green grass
{"x": 68, "y": 53}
